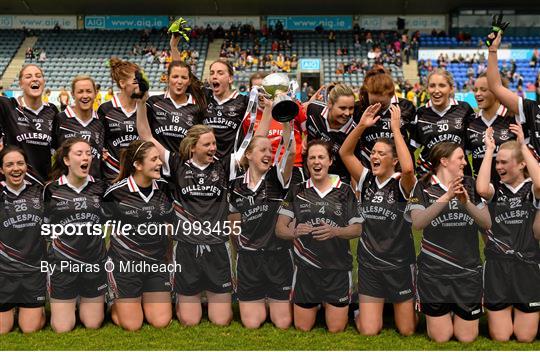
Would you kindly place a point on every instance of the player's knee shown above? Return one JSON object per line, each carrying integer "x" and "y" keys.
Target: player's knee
{"x": 500, "y": 335}
{"x": 466, "y": 336}
{"x": 369, "y": 329}
{"x": 160, "y": 322}
{"x": 252, "y": 322}
{"x": 282, "y": 322}
{"x": 92, "y": 324}
{"x": 5, "y": 328}
{"x": 131, "y": 324}
{"x": 223, "y": 320}
{"x": 189, "y": 320}
{"x": 406, "y": 329}
{"x": 62, "y": 326}
{"x": 303, "y": 325}
{"x": 525, "y": 335}
{"x": 441, "y": 335}
{"x": 335, "y": 328}
{"x": 32, "y": 326}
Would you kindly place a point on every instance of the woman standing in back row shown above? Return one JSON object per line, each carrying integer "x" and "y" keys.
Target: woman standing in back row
{"x": 119, "y": 116}
{"x": 27, "y": 122}
{"x": 442, "y": 119}
{"x": 226, "y": 108}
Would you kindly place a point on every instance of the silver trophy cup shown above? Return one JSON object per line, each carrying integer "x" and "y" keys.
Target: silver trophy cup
{"x": 284, "y": 108}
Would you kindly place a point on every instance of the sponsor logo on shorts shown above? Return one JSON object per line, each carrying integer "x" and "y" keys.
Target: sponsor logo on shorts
{"x": 168, "y": 284}
{"x": 287, "y": 288}
{"x": 404, "y": 292}
{"x": 102, "y": 287}
{"x": 475, "y": 311}
{"x": 534, "y": 304}
{"x": 228, "y": 284}
{"x": 40, "y": 298}
{"x": 343, "y": 299}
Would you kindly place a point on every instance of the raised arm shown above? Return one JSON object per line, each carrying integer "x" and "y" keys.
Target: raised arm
{"x": 346, "y": 152}
{"x": 408, "y": 179}
{"x": 505, "y": 95}
{"x": 532, "y": 164}
{"x": 143, "y": 127}
{"x": 484, "y": 174}
{"x": 264, "y": 124}
{"x": 289, "y": 164}
{"x": 175, "y": 53}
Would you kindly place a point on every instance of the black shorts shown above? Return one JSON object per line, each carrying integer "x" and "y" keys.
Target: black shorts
{"x": 314, "y": 286}
{"x": 511, "y": 283}
{"x": 439, "y": 295}
{"x": 73, "y": 280}
{"x": 204, "y": 268}
{"x": 395, "y": 285}
{"x": 126, "y": 282}
{"x": 264, "y": 275}
{"x": 26, "y": 291}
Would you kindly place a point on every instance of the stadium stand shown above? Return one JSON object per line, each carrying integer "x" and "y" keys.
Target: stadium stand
{"x": 10, "y": 41}
{"x": 427, "y": 40}
{"x": 73, "y": 52}
{"x": 317, "y": 45}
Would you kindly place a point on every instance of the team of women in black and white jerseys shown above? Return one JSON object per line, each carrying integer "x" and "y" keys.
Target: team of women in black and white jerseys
{"x": 171, "y": 162}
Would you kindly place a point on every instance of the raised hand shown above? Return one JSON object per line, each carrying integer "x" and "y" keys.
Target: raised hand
{"x": 369, "y": 117}
{"x": 497, "y": 28}
{"x": 518, "y": 131}
{"x": 489, "y": 141}
{"x": 395, "y": 117}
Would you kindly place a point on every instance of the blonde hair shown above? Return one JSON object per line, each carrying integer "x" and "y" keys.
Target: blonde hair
{"x": 442, "y": 72}
{"x": 30, "y": 65}
{"x": 339, "y": 90}
{"x": 515, "y": 148}
{"x": 244, "y": 162}
{"x": 80, "y": 78}
{"x": 191, "y": 138}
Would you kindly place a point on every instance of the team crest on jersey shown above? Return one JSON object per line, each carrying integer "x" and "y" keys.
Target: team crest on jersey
{"x": 96, "y": 201}
{"x": 505, "y": 134}
{"x": 390, "y": 198}
{"x": 339, "y": 210}
{"x": 35, "y": 203}
{"x": 459, "y": 123}
{"x": 214, "y": 177}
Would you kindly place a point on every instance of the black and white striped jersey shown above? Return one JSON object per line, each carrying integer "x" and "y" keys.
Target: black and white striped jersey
{"x": 125, "y": 201}
{"x": 258, "y": 208}
{"x": 67, "y": 125}
{"x": 66, "y": 204}
{"x": 169, "y": 121}
{"x": 386, "y": 241}
{"x": 512, "y": 213}
{"x": 476, "y": 132}
{"x": 450, "y": 243}
{"x": 31, "y": 130}
{"x": 225, "y": 117}
{"x": 22, "y": 248}
{"x": 120, "y": 130}
{"x": 336, "y": 207}
{"x": 201, "y": 195}
{"x": 317, "y": 127}
{"x": 432, "y": 127}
